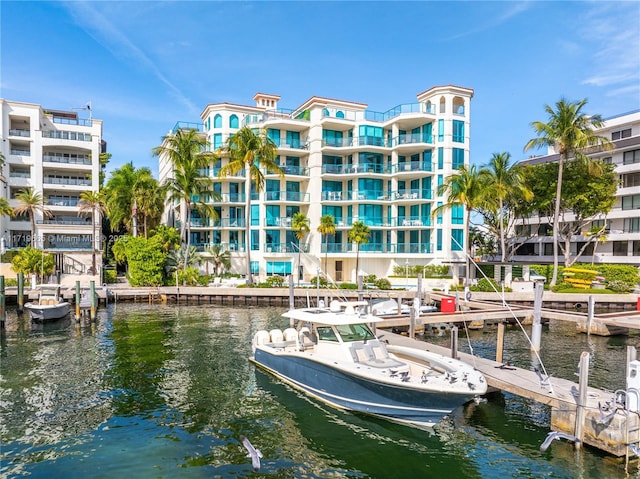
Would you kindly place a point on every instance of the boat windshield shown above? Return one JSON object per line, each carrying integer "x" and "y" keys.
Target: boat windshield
{"x": 354, "y": 332}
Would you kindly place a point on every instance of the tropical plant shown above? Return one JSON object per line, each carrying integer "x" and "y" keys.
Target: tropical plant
{"x": 31, "y": 202}
{"x": 31, "y": 261}
{"x": 5, "y": 208}
{"x": 464, "y": 187}
{"x": 502, "y": 179}
{"x": 300, "y": 227}
{"x": 250, "y": 151}
{"x": 124, "y": 190}
{"x": 220, "y": 258}
{"x": 187, "y": 150}
{"x": 144, "y": 258}
{"x": 326, "y": 227}
{"x": 570, "y": 132}
{"x": 91, "y": 202}
{"x": 359, "y": 234}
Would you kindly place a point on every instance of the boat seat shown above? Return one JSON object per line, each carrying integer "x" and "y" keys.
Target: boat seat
{"x": 306, "y": 339}
{"x": 361, "y": 353}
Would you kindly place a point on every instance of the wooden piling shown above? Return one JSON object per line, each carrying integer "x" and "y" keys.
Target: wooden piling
{"x": 20, "y": 293}
{"x": 2, "y": 301}
{"x": 500, "y": 342}
{"x": 536, "y": 328}
{"x": 454, "y": 342}
{"x": 92, "y": 292}
{"x": 78, "y": 299}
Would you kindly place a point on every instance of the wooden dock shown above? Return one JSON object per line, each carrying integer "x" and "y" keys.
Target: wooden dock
{"x": 610, "y": 431}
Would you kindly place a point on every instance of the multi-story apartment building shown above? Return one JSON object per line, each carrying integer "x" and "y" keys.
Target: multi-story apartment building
{"x": 622, "y": 241}
{"x": 57, "y": 154}
{"x": 344, "y": 160}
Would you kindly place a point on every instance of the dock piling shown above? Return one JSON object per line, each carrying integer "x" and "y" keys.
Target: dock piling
{"x": 582, "y": 398}
{"x": 92, "y": 291}
{"x": 20, "y": 293}
{"x": 78, "y": 299}
{"x": 454, "y": 342}
{"x": 536, "y": 328}
{"x": 2, "y": 301}
{"x": 500, "y": 342}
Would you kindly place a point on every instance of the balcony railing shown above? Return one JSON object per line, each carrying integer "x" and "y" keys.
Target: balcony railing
{"x": 412, "y": 138}
{"x": 414, "y": 194}
{"x": 285, "y": 248}
{"x": 278, "y": 114}
{"x": 72, "y": 121}
{"x": 67, "y": 158}
{"x": 19, "y": 152}
{"x": 66, "y": 135}
{"x": 51, "y": 201}
{"x": 66, "y": 221}
{"x": 19, "y": 132}
{"x": 286, "y": 196}
{"x": 282, "y": 222}
{"x": 410, "y": 248}
{"x": 67, "y": 181}
{"x": 412, "y": 166}
{"x": 233, "y": 222}
{"x": 232, "y": 197}
{"x": 295, "y": 170}
{"x": 187, "y": 125}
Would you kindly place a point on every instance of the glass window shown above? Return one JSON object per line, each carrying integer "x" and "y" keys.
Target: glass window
{"x": 457, "y": 214}
{"x": 458, "y": 131}
{"x": 325, "y": 333}
{"x": 620, "y": 248}
{"x": 354, "y": 332}
{"x": 233, "y": 121}
{"x": 458, "y": 158}
{"x": 440, "y": 130}
{"x": 439, "y": 239}
{"x": 217, "y": 121}
{"x": 217, "y": 141}
{"x": 631, "y": 202}
{"x": 631, "y": 157}
{"x": 618, "y": 135}
{"x": 457, "y": 239}
{"x": 440, "y": 158}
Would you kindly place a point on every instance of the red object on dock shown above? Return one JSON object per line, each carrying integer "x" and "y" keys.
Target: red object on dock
{"x": 448, "y": 304}
{"x": 638, "y": 303}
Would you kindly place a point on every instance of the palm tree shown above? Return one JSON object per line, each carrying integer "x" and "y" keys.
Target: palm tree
{"x": 503, "y": 178}
{"x": 187, "y": 150}
{"x": 220, "y": 258}
{"x": 359, "y": 234}
{"x": 91, "y": 202}
{"x": 300, "y": 227}
{"x": 151, "y": 206}
{"x": 570, "y": 132}
{"x": 5, "y": 208}
{"x": 464, "y": 187}
{"x": 125, "y": 188}
{"x": 31, "y": 202}
{"x": 326, "y": 227}
{"x": 250, "y": 151}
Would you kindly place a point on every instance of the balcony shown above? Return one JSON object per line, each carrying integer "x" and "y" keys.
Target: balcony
{"x": 412, "y": 139}
{"x": 288, "y": 196}
{"x": 70, "y": 181}
{"x": 412, "y": 221}
{"x": 413, "y": 194}
{"x": 66, "y": 135}
{"x": 62, "y": 201}
{"x": 67, "y": 158}
{"x": 232, "y": 197}
{"x": 187, "y": 125}
{"x": 285, "y": 248}
{"x": 72, "y": 121}
{"x": 232, "y": 222}
{"x": 412, "y": 167}
{"x": 283, "y": 222}
{"x": 20, "y": 132}
{"x": 20, "y": 152}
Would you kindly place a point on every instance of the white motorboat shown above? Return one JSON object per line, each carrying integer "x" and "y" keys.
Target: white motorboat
{"x": 333, "y": 355}
{"x": 49, "y": 306}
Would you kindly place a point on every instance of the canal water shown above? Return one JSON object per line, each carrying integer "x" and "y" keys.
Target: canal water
{"x": 152, "y": 391}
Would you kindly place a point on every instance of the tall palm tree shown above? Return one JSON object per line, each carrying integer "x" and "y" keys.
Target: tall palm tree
{"x": 187, "y": 150}
{"x": 31, "y": 203}
{"x": 300, "y": 227}
{"x": 326, "y": 227}
{"x": 464, "y": 187}
{"x": 359, "y": 234}
{"x": 502, "y": 178}
{"x": 570, "y": 132}
{"x": 5, "y": 208}
{"x": 91, "y": 202}
{"x": 151, "y": 206}
{"x": 250, "y": 151}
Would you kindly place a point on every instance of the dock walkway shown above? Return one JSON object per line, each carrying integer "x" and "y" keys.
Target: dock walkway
{"x": 608, "y": 433}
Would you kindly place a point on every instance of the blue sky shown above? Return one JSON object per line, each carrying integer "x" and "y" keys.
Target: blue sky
{"x": 145, "y": 65}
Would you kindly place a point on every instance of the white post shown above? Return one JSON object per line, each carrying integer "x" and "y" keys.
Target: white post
{"x": 536, "y": 328}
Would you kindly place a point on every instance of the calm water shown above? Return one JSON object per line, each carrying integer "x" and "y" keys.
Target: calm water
{"x": 166, "y": 391}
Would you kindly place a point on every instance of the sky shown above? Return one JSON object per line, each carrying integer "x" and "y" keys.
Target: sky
{"x": 146, "y": 65}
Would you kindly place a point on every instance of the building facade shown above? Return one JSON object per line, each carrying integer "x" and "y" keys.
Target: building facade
{"x": 57, "y": 155}
{"x": 621, "y": 243}
{"x": 344, "y": 160}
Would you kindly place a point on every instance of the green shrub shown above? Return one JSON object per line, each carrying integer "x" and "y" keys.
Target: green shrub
{"x": 189, "y": 276}
{"x": 383, "y": 283}
{"x": 109, "y": 276}
{"x": 348, "y": 286}
{"x": 370, "y": 278}
{"x": 558, "y": 288}
{"x": 487, "y": 285}
{"x": 275, "y": 281}
{"x": 323, "y": 281}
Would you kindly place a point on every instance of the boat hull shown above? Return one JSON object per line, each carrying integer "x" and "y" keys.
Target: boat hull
{"x": 48, "y": 312}
{"x": 338, "y": 387}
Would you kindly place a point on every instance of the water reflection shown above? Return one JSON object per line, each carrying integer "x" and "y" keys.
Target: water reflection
{"x": 164, "y": 391}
